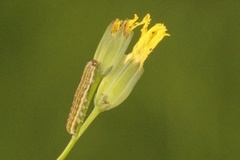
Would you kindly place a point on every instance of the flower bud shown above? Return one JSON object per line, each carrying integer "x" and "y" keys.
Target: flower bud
{"x": 117, "y": 85}
{"x": 114, "y": 43}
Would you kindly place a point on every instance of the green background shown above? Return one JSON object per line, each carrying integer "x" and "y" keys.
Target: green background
{"x": 186, "y": 105}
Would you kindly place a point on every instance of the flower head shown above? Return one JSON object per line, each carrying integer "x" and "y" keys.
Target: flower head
{"x": 148, "y": 41}
{"x": 114, "y": 43}
{"x": 118, "y": 84}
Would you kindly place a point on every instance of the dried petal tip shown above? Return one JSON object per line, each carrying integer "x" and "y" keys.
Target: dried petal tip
{"x": 115, "y": 26}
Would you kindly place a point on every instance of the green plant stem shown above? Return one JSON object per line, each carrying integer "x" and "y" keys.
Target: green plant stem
{"x": 82, "y": 127}
{"x": 68, "y": 148}
{"x": 75, "y": 138}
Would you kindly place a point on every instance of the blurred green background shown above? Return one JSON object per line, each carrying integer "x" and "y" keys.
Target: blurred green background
{"x": 186, "y": 105}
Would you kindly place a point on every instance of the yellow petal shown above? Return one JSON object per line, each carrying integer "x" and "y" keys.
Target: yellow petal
{"x": 148, "y": 41}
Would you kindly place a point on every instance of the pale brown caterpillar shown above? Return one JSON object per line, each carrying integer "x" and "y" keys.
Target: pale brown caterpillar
{"x": 76, "y": 115}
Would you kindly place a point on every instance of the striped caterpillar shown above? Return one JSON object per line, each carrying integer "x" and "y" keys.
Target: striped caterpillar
{"x": 78, "y": 109}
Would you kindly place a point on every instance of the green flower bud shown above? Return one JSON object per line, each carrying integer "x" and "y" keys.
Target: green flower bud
{"x": 114, "y": 43}
{"x": 118, "y": 84}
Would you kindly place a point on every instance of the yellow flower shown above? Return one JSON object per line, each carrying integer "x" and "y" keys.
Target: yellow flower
{"x": 148, "y": 41}
{"x": 118, "y": 84}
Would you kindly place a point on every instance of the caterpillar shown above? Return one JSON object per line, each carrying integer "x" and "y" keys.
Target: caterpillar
{"x": 77, "y": 114}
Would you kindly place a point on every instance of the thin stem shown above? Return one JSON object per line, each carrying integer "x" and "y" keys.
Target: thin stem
{"x": 68, "y": 148}
{"x": 75, "y": 138}
{"x": 95, "y": 112}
